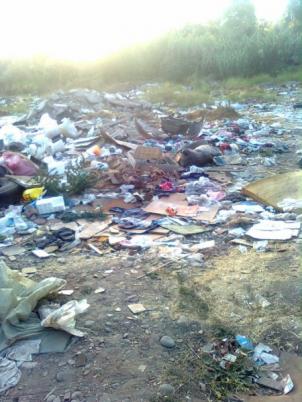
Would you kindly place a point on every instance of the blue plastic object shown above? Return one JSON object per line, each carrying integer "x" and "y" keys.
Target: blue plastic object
{"x": 244, "y": 342}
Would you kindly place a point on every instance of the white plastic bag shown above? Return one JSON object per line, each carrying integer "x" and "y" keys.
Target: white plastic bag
{"x": 49, "y": 126}
{"x": 10, "y": 134}
{"x": 64, "y": 317}
{"x": 68, "y": 129}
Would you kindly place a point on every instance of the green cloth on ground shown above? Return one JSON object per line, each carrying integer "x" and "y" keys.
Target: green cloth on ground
{"x": 19, "y": 297}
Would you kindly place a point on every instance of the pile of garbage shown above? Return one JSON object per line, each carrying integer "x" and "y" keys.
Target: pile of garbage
{"x": 226, "y": 367}
{"x": 150, "y": 172}
{"x": 94, "y": 170}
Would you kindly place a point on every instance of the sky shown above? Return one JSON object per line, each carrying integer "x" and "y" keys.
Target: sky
{"x": 89, "y": 29}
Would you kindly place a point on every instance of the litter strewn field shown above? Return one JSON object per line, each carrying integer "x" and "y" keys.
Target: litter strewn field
{"x": 130, "y": 231}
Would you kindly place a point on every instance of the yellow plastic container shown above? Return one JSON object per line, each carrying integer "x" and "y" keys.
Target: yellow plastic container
{"x": 32, "y": 193}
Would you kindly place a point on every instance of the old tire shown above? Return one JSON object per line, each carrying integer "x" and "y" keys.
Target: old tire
{"x": 10, "y": 192}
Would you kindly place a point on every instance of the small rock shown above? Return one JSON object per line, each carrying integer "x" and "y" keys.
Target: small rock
{"x": 57, "y": 399}
{"x": 166, "y": 390}
{"x": 80, "y": 360}
{"x": 29, "y": 365}
{"x": 77, "y": 395}
{"x": 183, "y": 322}
{"x": 40, "y": 221}
{"x": 61, "y": 260}
{"x": 142, "y": 368}
{"x": 29, "y": 270}
{"x": 50, "y": 398}
{"x": 61, "y": 376}
{"x": 167, "y": 342}
{"x": 203, "y": 386}
{"x": 67, "y": 396}
{"x": 133, "y": 299}
{"x": 89, "y": 323}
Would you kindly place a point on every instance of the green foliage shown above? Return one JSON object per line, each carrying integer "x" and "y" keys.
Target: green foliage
{"x": 233, "y": 89}
{"x": 177, "y": 94}
{"x": 294, "y": 14}
{"x": 240, "y": 18}
{"x": 77, "y": 180}
{"x": 193, "y": 367}
{"x": 236, "y": 46}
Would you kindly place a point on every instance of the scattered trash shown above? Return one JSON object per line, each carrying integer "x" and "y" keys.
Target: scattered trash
{"x": 99, "y": 290}
{"x": 63, "y": 318}
{"x": 274, "y": 190}
{"x": 18, "y": 164}
{"x": 136, "y": 308}
{"x": 274, "y": 230}
{"x": 48, "y": 206}
{"x": 94, "y": 173}
{"x": 40, "y": 253}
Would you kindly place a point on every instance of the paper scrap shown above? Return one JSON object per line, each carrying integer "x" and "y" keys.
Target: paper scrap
{"x": 99, "y": 290}
{"x": 40, "y": 253}
{"x": 274, "y": 230}
{"x": 29, "y": 270}
{"x": 136, "y": 308}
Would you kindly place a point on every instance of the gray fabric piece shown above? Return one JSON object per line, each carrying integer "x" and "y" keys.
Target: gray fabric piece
{"x": 22, "y": 351}
{"x": 9, "y": 374}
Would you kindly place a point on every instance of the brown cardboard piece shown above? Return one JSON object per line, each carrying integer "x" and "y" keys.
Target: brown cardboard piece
{"x": 92, "y": 229}
{"x": 147, "y": 153}
{"x": 179, "y": 203}
{"x": 124, "y": 144}
{"x": 274, "y": 189}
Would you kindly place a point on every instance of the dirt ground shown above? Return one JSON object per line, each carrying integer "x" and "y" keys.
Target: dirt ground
{"x": 121, "y": 359}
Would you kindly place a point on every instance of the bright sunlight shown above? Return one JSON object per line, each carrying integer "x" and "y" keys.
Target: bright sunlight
{"x": 86, "y": 30}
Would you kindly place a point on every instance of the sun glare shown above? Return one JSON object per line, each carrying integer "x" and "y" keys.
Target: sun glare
{"x": 88, "y": 29}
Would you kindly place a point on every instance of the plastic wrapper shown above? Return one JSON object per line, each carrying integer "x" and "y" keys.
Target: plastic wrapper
{"x": 11, "y": 134}
{"x": 32, "y": 193}
{"x": 49, "y": 126}
{"x": 18, "y": 164}
{"x": 40, "y": 147}
{"x": 68, "y": 129}
{"x": 64, "y": 317}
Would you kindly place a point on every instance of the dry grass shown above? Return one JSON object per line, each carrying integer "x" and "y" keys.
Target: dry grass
{"x": 234, "y": 287}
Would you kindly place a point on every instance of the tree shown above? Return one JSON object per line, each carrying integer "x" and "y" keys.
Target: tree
{"x": 240, "y": 18}
{"x": 294, "y": 14}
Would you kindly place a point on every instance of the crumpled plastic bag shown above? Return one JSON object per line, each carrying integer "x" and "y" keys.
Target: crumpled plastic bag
{"x": 68, "y": 129}
{"x": 49, "y": 126}
{"x": 18, "y": 164}
{"x": 64, "y": 317}
{"x": 11, "y": 134}
{"x": 40, "y": 147}
{"x": 13, "y": 222}
{"x": 9, "y": 374}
